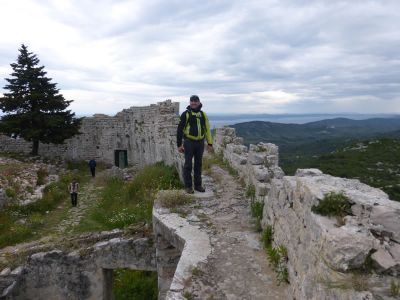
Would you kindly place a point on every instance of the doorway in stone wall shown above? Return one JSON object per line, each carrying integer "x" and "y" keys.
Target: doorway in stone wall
{"x": 121, "y": 158}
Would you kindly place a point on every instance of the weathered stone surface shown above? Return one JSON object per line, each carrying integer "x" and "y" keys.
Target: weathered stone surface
{"x": 193, "y": 244}
{"x": 383, "y": 260}
{"x": 388, "y": 218}
{"x": 261, "y": 174}
{"x": 256, "y": 158}
{"x": 346, "y": 247}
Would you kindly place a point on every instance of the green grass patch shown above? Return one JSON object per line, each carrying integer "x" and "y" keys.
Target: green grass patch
{"x": 333, "y": 204}
{"x": 135, "y": 285}
{"x": 124, "y": 203}
{"x": 218, "y": 159}
{"x": 23, "y": 223}
{"x": 267, "y": 236}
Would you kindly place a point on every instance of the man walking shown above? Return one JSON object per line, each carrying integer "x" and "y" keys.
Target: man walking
{"x": 194, "y": 127}
{"x": 92, "y": 166}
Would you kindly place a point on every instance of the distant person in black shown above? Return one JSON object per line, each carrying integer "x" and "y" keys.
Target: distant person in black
{"x": 194, "y": 127}
{"x": 92, "y": 166}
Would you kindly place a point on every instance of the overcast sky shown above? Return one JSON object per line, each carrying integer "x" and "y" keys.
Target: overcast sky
{"x": 238, "y": 56}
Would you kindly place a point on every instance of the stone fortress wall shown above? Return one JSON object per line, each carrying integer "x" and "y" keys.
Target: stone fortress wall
{"x": 324, "y": 257}
{"x": 147, "y": 134}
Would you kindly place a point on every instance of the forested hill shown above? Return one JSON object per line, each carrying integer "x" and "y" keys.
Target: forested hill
{"x": 299, "y": 141}
{"x": 374, "y": 162}
{"x": 282, "y": 134}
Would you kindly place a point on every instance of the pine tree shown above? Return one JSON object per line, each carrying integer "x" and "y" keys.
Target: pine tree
{"x": 33, "y": 109}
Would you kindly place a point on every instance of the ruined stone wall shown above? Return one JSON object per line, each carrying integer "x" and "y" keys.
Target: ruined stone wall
{"x": 148, "y": 134}
{"x": 83, "y": 274}
{"x": 326, "y": 258}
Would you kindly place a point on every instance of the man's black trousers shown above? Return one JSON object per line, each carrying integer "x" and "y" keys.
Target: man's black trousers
{"x": 93, "y": 171}
{"x": 193, "y": 149}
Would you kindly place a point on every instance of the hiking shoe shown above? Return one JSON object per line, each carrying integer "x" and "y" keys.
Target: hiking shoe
{"x": 189, "y": 191}
{"x": 200, "y": 189}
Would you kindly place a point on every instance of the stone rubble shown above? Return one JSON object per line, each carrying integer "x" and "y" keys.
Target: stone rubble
{"x": 21, "y": 178}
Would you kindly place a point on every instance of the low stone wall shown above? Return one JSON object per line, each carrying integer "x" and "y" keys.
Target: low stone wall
{"x": 83, "y": 274}
{"x": 181, "y": 247}
{"x": 324, "y": 257}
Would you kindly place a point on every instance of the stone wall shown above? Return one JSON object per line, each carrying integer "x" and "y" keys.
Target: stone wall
{"x": 354, "y": 258}
{"x": 148, "y": 134}
{"x": 83, "y": 274}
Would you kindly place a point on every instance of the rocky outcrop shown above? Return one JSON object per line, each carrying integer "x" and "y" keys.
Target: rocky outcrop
{"x": 353, "y": 258}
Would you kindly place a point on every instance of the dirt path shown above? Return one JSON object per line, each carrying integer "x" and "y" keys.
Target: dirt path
{"x": 238, "y": 266}
{"x": 87, "y": 198}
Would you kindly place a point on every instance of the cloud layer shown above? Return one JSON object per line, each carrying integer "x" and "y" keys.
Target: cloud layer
{"x": 239, "y": 56}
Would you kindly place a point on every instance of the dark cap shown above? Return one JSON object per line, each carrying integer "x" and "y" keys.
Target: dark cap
{"x": 194, "y": 98}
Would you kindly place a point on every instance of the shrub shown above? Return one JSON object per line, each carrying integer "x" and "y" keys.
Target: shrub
{"x": 333, "y": 204}
{"x": 41, "y": 176}
{"x": 136, "y": 285}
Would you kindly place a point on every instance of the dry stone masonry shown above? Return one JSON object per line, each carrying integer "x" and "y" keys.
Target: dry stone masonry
{"x": 86, "y": 273}
{"x": 326, "y": 259}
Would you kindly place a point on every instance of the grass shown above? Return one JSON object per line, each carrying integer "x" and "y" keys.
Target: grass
{"x": 277, "y": 256}
{"x": 333, "y": 204}
{"x": 394, "y": 288}
{"x": 175, "y": 198}
{"x": 267, "y": 236}
{"x": 34, "y": 215}
{"x": 135, "y": 285}
{"x": 218, "y": 159}
{"x": 24, "y": 223}
{"x": 124, "y": 203}
{"x": 251, "y": 192}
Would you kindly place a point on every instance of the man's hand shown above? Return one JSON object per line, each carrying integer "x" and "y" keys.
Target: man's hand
{"x": 181, "y": 149}
{"x": 210, "y": 148}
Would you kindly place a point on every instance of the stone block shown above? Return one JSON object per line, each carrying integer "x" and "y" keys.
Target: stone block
{"x": 260, "y": 173}
{"x": 261, "y": 189}
{"x": 256, "y": 158}
{"x": 271, "y": 160}
{"x": 388, "y": 218}
{"x": 383, "y": 261}
{"x": 347, "y": 248}
{"x": 308, "y": 172}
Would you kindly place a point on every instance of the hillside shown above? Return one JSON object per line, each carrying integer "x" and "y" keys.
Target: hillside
{"x": 286, "y": 134}
{"x": 374, "y": 162}
{"x": 299, "y": 141}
